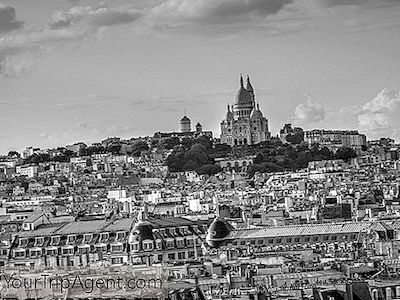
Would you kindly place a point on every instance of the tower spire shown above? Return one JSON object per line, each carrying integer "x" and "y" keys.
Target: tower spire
{"x": 249, "y": 87}
{"x": 241, "y": 80}
{"x": 229, "y": 109}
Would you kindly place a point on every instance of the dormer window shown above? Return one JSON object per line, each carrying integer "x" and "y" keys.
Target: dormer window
{"x": 103, "y": 237}
{"x": 147, "y": 246}
{"x": 87, "y": 238}
{"x": 23, "y": 243}
{"x": 39, "y": 241}
{"x": 120, "y": 236}
{"x": 71, "y": 239}
{"x": 55, "y": 240}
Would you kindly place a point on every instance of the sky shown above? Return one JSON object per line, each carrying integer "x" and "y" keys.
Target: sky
{"x": 86, "y": 70}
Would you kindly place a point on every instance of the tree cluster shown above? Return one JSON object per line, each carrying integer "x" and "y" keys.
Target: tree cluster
{"x": 193, "y": 155}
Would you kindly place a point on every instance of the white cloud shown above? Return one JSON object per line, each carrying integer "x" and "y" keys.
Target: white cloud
{"x": 309, "y": 112}
{"x": 380, "y": 116}
{"x": 93, "y": 17}
{"x": 179, "y": 13}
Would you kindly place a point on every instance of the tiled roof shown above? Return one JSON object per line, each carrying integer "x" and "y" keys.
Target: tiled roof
{"x": 120, "y": 225}
{"x": 41, "y": 231}
{"x": 310, "y": 229}
{"x": 82, "y": 227}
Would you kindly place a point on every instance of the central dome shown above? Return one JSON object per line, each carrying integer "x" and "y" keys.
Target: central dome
{"x": 243, "y": 97}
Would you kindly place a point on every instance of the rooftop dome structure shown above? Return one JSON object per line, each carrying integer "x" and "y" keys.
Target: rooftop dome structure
{"x": 256, "y": 113}
{"x": 243, "y": 96}
{"x": 143, "y": 229}
{"x": 229, "y": 114}
{"x": 217, "y": 232}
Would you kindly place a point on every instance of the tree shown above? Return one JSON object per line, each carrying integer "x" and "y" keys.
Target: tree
{"x": 345, "y": 153}
{"x": 170, "y": 143}
{"x": 139, "y": 146}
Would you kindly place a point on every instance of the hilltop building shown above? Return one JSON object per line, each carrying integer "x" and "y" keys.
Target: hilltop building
{"x": 185, "y": 130}
{"x": 244, "y": 123}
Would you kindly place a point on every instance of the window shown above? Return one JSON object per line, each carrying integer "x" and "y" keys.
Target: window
{"x": 147, "y": 246}
{"x": 159, "y": 244}
{"x": 51, "y": 252}
{"x": 170, "y": 244}
{"x": 326, "y": 238}
{"x": 103, "y": 237}
{"x": 353, "y": 237}
{"x": 71, "y": 239}
{"x": 181, "y": 255}
{"x": 101, "y": 248}
{"x": 83, "y": 250}
{"x": 297, "y": 240}
{"x": 160, "y": 257}
{"x": 35, "y": 253}
{"x": 289, "y": 240}
{"x": 19, "y": 254}
{"x": 68, "y": 251}
{"x": 334, "y": 237}
{"x": 278, "y": 241}
{"x": 39, "y": 241}
{"x": 120, "y": 235}
{"x": 345, "y": 237}
{"x": 55, "y": 240}
{"x": 307, "y": 239}
{"x": 23, "y": 242}
{"x": 315, "y": 239}
{"x": 87, "y": 238}
{"x": 117, "y": 248}
{"x": 117, "y": 260}
{"x": 135, "y": 247}
{"x": 253, "y": 242}
{"x": 180, "y": 243}
{"x": 260, "y": 242}
{"x": 171, "y": 256}
{"x": 270, "y": 241}
{"x": 242, "y": 243}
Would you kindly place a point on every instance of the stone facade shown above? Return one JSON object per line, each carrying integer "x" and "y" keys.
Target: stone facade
{"x": 244, "y": 123}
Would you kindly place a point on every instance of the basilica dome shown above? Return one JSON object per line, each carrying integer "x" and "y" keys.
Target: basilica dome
{"x": 217, "y": 232}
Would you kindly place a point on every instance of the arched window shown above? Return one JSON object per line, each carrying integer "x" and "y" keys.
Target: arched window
{"x": 245, "y": 141}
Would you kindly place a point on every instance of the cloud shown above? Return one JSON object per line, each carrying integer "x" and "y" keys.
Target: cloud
{"x": 174, "y": 13}
{"x": 309, "y": 112}
{"x": 380, "y": 116}
{"x": 77, "y": 23}
{"x": 8, "y": 19}
{"x": 93, "y": 17}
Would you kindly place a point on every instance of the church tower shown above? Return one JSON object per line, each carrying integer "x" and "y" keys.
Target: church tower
{"x": 185, "y": 124}
{"x": 245, "y": 124}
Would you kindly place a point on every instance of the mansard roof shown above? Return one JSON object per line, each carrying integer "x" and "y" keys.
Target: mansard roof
{"x": 309, "y": 229}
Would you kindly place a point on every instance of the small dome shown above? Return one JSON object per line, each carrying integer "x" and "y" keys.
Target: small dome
{"x": 142, "y": 230}
{"x": 185, "y": 119}
{"x": 198, "y": 125}
{"x": 256, "y": 113}
{"x": 217, "y": 232}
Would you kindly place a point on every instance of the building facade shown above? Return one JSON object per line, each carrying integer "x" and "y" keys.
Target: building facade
{"x": 244, "y": 123}
{"x": 338, "y": 138}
